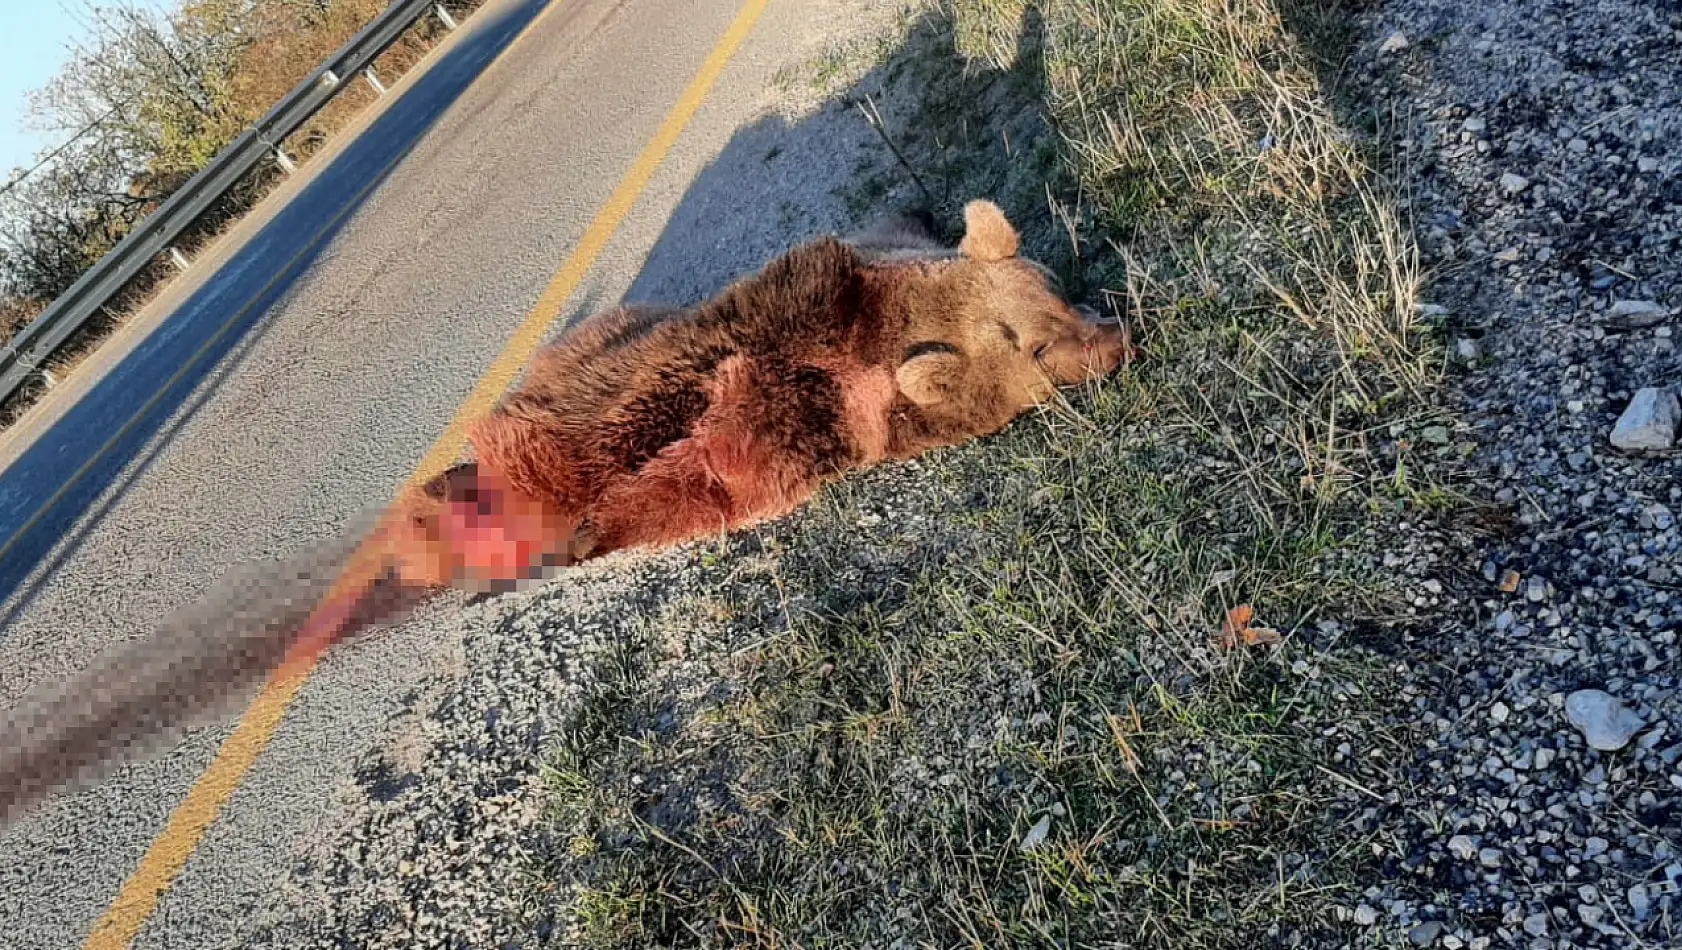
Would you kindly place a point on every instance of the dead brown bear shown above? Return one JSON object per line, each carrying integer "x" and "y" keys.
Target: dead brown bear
{"x": 646, "y": 426}
{"x": 652, "y": 427}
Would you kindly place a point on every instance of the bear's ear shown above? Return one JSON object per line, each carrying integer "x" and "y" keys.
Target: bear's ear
{"x": 929, "y": 372}
{"x": 988, "y": 236}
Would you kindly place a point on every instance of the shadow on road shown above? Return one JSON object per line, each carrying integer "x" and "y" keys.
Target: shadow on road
{"x": 965, "y": 130}
{"x": 187, "y": 357}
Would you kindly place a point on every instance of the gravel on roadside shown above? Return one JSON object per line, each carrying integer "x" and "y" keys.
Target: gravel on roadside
{"x": 1542, "y": 144}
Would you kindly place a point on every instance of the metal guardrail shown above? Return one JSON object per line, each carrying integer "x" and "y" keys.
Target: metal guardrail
{"x": 156, "y": 234}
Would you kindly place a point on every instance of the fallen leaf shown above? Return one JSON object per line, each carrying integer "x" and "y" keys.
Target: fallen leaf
{"x": 1236, "y": 620}
{"x": 1236, "y": 630}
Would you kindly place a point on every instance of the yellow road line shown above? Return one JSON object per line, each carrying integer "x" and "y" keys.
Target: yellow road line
{"x": 161, "y": 864}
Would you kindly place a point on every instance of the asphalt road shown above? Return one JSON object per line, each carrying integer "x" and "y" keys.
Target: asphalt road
{"x": 334, "y": 343}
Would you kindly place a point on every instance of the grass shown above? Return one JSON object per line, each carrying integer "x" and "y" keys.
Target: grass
{"x": 849, "y": 743}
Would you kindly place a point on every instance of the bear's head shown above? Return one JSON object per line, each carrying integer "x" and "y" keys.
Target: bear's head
{"x": 1002, "y": 339}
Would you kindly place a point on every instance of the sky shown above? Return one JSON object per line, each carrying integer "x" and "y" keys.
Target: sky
{"x": 35, "y": 41}
{"x": 34, "y": 44}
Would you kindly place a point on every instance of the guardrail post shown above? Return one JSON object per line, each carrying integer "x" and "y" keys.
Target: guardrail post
{"x": 444, "y": 15}
{"x": 374, "y": 80}
{"x": 179, "y": 258}
{"x": 29, "y": 365}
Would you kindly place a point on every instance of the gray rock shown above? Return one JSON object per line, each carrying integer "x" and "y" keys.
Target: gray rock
{"x": 1604, "y": 721}
{"x": 1425, "y": 934}
{"x": 1036, "y": 835}
{"x": 1468, "y": 350}
{"x": 1536, "y": 925}
{"x": 1490, "y": 857}
{"x": 1462, "y": 847}
{"x": 1640, "y": 901}
{"x": 1513, "y": 184}
{"x": 1394, "y": 43}
{"x": 1366, "y": 915}
{"x": 1649, "y": 421}
{"x": 1635, "y": 314}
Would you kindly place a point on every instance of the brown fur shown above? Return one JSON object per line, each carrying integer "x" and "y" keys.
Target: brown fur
{"x": 641, "y": 426}
{"x": 652, "y": 427}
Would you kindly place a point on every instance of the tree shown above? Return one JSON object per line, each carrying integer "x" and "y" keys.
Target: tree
{"x": 159, "y": 85}
{"x": 63, "y": 219}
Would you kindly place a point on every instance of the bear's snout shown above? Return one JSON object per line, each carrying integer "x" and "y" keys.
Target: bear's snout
{"x": 1108, "y": 343}
{"x": 1112, "y": 347}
